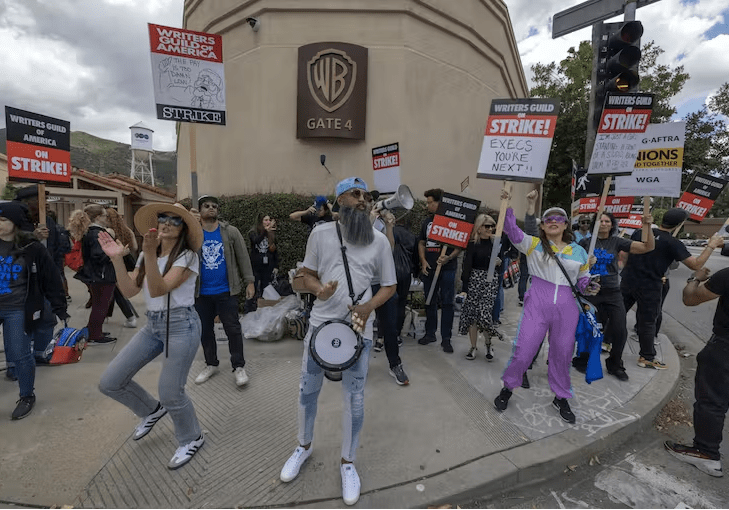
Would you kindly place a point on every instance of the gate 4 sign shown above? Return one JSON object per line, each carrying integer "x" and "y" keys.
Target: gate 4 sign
{"x": 38, "y": 147}
{"x": 700, "y": 195}
{"x": 453, "y": 221}
{"x": 618, "y": 137}
{"x": 518, "y": 139}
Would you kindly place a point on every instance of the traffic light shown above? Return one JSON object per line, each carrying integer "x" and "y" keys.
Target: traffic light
{"x": 617, "y": 53}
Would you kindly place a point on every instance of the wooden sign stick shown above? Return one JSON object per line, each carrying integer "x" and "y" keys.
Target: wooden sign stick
{"x": 435, "y": 277}
{"x": 497, "y": 235}
{"x": 601, "y": 207}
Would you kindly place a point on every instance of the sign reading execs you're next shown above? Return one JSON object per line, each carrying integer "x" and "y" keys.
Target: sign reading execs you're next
{"x": 332, "y": 91}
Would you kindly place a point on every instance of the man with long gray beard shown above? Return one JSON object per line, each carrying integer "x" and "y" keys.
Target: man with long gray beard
{"x": 324, "y": 274}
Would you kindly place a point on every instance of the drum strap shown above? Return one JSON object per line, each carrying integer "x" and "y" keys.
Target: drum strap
{"x": 346, "y": 269}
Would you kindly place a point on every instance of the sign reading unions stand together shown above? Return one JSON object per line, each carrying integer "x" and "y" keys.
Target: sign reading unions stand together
{"x": 187, "y": 71}
{"x": 518, "y": 139}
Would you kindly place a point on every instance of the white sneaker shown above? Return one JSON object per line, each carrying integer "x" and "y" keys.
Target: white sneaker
{"x": 293, "y": 465}
{"x": 241, "y": 378}
{"x": 184, "y": 453}
{"x": 147, "y": 423}
{"x": 206, "y": 374}
{"x": 131, "y": 322}
{"x": 350, "y": 484}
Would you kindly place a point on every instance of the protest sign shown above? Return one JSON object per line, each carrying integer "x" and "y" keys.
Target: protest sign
{"x": 657, "y": 170}
{"x": 518, "y": 139}
{"x": 700, "y": 195}
{"x": 453, "y": 221}
{"x": 618, "y": 206}
{"x": 386, "y": 167}
{"x": 187, "y": 71}
{"x": 38, "y": 147}
{"x": 623, "y": 119}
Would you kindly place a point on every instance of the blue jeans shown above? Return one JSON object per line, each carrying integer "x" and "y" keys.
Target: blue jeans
{"x": 18, "y": 349}
{"x": 499, "y": 301}
{"x": 446, "y": 288}
{"x": 353, "y": 384}
{"x": 149, "y": 342}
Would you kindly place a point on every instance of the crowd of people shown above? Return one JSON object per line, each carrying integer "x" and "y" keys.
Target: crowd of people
{"x": 192, "y": 267}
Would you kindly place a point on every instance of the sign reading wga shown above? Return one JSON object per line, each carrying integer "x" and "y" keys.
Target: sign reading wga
{"x": 332, "y": 91}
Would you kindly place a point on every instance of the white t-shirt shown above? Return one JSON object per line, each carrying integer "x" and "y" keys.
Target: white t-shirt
{"x": 366, "y": 265}
{"x": 181, "y": 297}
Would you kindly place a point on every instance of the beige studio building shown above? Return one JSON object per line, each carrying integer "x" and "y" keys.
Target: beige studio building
{"x": 342, "y": 77}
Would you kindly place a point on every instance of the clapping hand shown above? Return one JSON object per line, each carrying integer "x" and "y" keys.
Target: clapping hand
{"x": 112, "y": 248}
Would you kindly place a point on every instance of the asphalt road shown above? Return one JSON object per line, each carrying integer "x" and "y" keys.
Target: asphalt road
{"x": 639, "y": 473}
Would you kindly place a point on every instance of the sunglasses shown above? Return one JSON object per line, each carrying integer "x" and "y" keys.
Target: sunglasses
{"x": 358, "y": 193}
{"x": 585, "y": 222}
{"x": 175, "y": 221}
{"x": 489, "y": 225}
{"x": 555, "y": 219}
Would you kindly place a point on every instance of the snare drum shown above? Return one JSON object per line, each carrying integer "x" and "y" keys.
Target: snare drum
{"x": 335, "y": 346}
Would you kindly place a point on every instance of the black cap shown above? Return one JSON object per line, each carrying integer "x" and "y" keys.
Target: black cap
{"x": 17, "y": 212}
{"x": 207, "y": 198}
{"x": 27, "y": 192}
{"x": 674, "y": 217}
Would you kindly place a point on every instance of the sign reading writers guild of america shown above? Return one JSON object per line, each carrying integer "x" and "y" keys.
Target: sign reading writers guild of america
{"x": 332, "y": 91}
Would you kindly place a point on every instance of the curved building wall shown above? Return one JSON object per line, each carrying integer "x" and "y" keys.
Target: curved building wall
{"x": 433, "y": 68}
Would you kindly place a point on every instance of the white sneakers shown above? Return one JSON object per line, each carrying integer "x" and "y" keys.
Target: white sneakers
{"x": 350, "y": 478}
{"x": 241, "y": 378}
{"x": 350, "y": 484}
{"x": 206, "y": 374}
{"x": 293, "y": 465}
{"x": 147, "y": 423}
{"x": 184, "y": 453}
{"x": 131, "y": 322}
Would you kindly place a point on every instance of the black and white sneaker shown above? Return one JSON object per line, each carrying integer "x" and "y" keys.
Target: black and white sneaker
{"x": 145, "y": 426}
{"x": 184, "y": 453}
{"x": 378, "y": 346}
{"x": 563, "y": 407}
{"x": 399, "y": 374}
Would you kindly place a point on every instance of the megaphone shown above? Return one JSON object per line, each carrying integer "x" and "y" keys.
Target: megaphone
{"x": 402, "y": 199}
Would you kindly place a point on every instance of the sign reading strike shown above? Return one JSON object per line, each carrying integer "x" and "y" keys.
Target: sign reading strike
{"x": 657, "y": 169}
{"x": 386, "y": 167}
{"x": 700, "y": 195}
{"x": 187, "y": 71}
{"x": 453, "y": 221}
{"x": 618, "y": 206}
{"x": 518, "y": 139}
{"x": 38, "y": 147}
{"x": 617, "y": 142}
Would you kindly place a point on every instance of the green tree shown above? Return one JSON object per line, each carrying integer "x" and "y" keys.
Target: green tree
{"x": 570, "y": 82}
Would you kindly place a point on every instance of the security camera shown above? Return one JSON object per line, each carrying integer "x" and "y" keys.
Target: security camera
{"x": 254, "y": 23}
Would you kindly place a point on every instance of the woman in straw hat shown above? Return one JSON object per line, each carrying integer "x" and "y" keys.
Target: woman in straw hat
{"x": 166, "y": 272}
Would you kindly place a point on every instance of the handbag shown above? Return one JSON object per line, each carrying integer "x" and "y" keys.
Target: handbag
{"x": 74, "y": 259}
{"x": 67, "y": 346}
{"x": 588, "y": 334}
{"x": 512, "y": 274}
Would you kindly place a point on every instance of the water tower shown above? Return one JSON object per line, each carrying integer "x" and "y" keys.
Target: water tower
{"x": 142, "y": 150}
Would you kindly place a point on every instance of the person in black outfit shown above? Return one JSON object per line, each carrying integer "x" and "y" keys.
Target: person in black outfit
{"x": 430, "y": 258}
{"x": 712, "y": 376}
{"x": 264, "y": 256}
{"x": 609, "y": 301}
{"x": 641, "y": 279}
{"x": 320, "y": 212}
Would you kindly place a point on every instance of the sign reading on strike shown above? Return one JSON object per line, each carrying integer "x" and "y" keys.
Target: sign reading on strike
{"x": 657, "y": 169}
{"x": 624, "y": 118}
{"x": 518, "y": 139}
{"x": 700, "y": 195}
{"x": 633, "y": 221}
{"x": 453, "y": 221}
{"x": 187, "y": 71}
{"x": 386, "y": 167}
{"x": 618, "y": 206}
{"x": 38, "y": 147}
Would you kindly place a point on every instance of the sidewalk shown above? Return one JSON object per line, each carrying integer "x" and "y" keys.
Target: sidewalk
{"x": 438, "y": 440}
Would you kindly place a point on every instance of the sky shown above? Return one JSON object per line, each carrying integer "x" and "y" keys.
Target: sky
{"x": 87, "y": 61}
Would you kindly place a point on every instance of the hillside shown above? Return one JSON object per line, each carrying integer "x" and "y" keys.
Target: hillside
{"x": 107, "y": 156}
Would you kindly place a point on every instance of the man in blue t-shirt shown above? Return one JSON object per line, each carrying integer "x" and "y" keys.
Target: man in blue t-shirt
{"x": 225, "y": 258}
{"x": 712, "y": 375}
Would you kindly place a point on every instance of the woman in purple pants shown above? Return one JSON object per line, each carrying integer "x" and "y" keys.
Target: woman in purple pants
{"x": 549, "y": 306}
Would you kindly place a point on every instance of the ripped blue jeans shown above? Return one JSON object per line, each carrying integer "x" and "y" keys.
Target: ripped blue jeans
{"x": 353, "y": 384}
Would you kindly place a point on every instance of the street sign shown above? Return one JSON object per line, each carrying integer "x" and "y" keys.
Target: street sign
{"x": 588, "y": 13}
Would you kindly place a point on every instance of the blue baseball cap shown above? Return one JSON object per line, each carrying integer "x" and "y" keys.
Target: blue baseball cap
{"x": 320, "y": 201}
{"x": 350, "y": 183}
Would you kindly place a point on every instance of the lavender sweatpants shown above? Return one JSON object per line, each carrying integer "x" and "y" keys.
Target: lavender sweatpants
{"x": 547, "y": 308}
